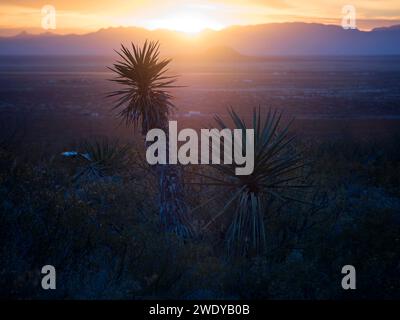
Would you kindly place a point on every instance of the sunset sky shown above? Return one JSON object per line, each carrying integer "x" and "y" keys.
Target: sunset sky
{"x": 80, "y": 16}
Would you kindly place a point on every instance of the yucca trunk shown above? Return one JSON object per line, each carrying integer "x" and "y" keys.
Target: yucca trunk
{"x": 173, "y": 208}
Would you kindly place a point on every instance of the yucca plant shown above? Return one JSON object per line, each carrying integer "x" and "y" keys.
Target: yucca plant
{"x": 107, "y": 155}
{"x": 144, "y": 101}
{"x": 278, "y": 173}
{"x": 100, "y": 158}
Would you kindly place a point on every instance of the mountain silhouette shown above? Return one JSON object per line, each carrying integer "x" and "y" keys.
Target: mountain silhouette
{"x": 275, "y": 39}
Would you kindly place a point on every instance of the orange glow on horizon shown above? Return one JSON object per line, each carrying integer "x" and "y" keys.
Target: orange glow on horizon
{"x": 189, "y": 16}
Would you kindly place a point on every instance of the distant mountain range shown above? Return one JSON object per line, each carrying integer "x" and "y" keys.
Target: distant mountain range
{"x": 277, "y": 39}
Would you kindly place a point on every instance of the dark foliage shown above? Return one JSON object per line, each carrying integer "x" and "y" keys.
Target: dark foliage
{"x": 105, "y": 241}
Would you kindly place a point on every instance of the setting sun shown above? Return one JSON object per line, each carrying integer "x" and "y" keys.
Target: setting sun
{"x": 187, "y": 22}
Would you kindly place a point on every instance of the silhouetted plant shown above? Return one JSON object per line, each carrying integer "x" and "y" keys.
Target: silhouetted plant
{"x": 145, "y": 101}
{"x": 100, "y": 158}
{"x": 277, "y": 174}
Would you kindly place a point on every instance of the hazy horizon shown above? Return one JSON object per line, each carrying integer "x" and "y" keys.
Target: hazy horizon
{"x": 4, "y": 32}
{"x": 273, "y": 39}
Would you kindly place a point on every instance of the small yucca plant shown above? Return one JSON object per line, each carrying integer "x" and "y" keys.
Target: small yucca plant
{"x": 107, "y": 155}
{"x": 278, "y": 173}
{"x": 100, "y": 158}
